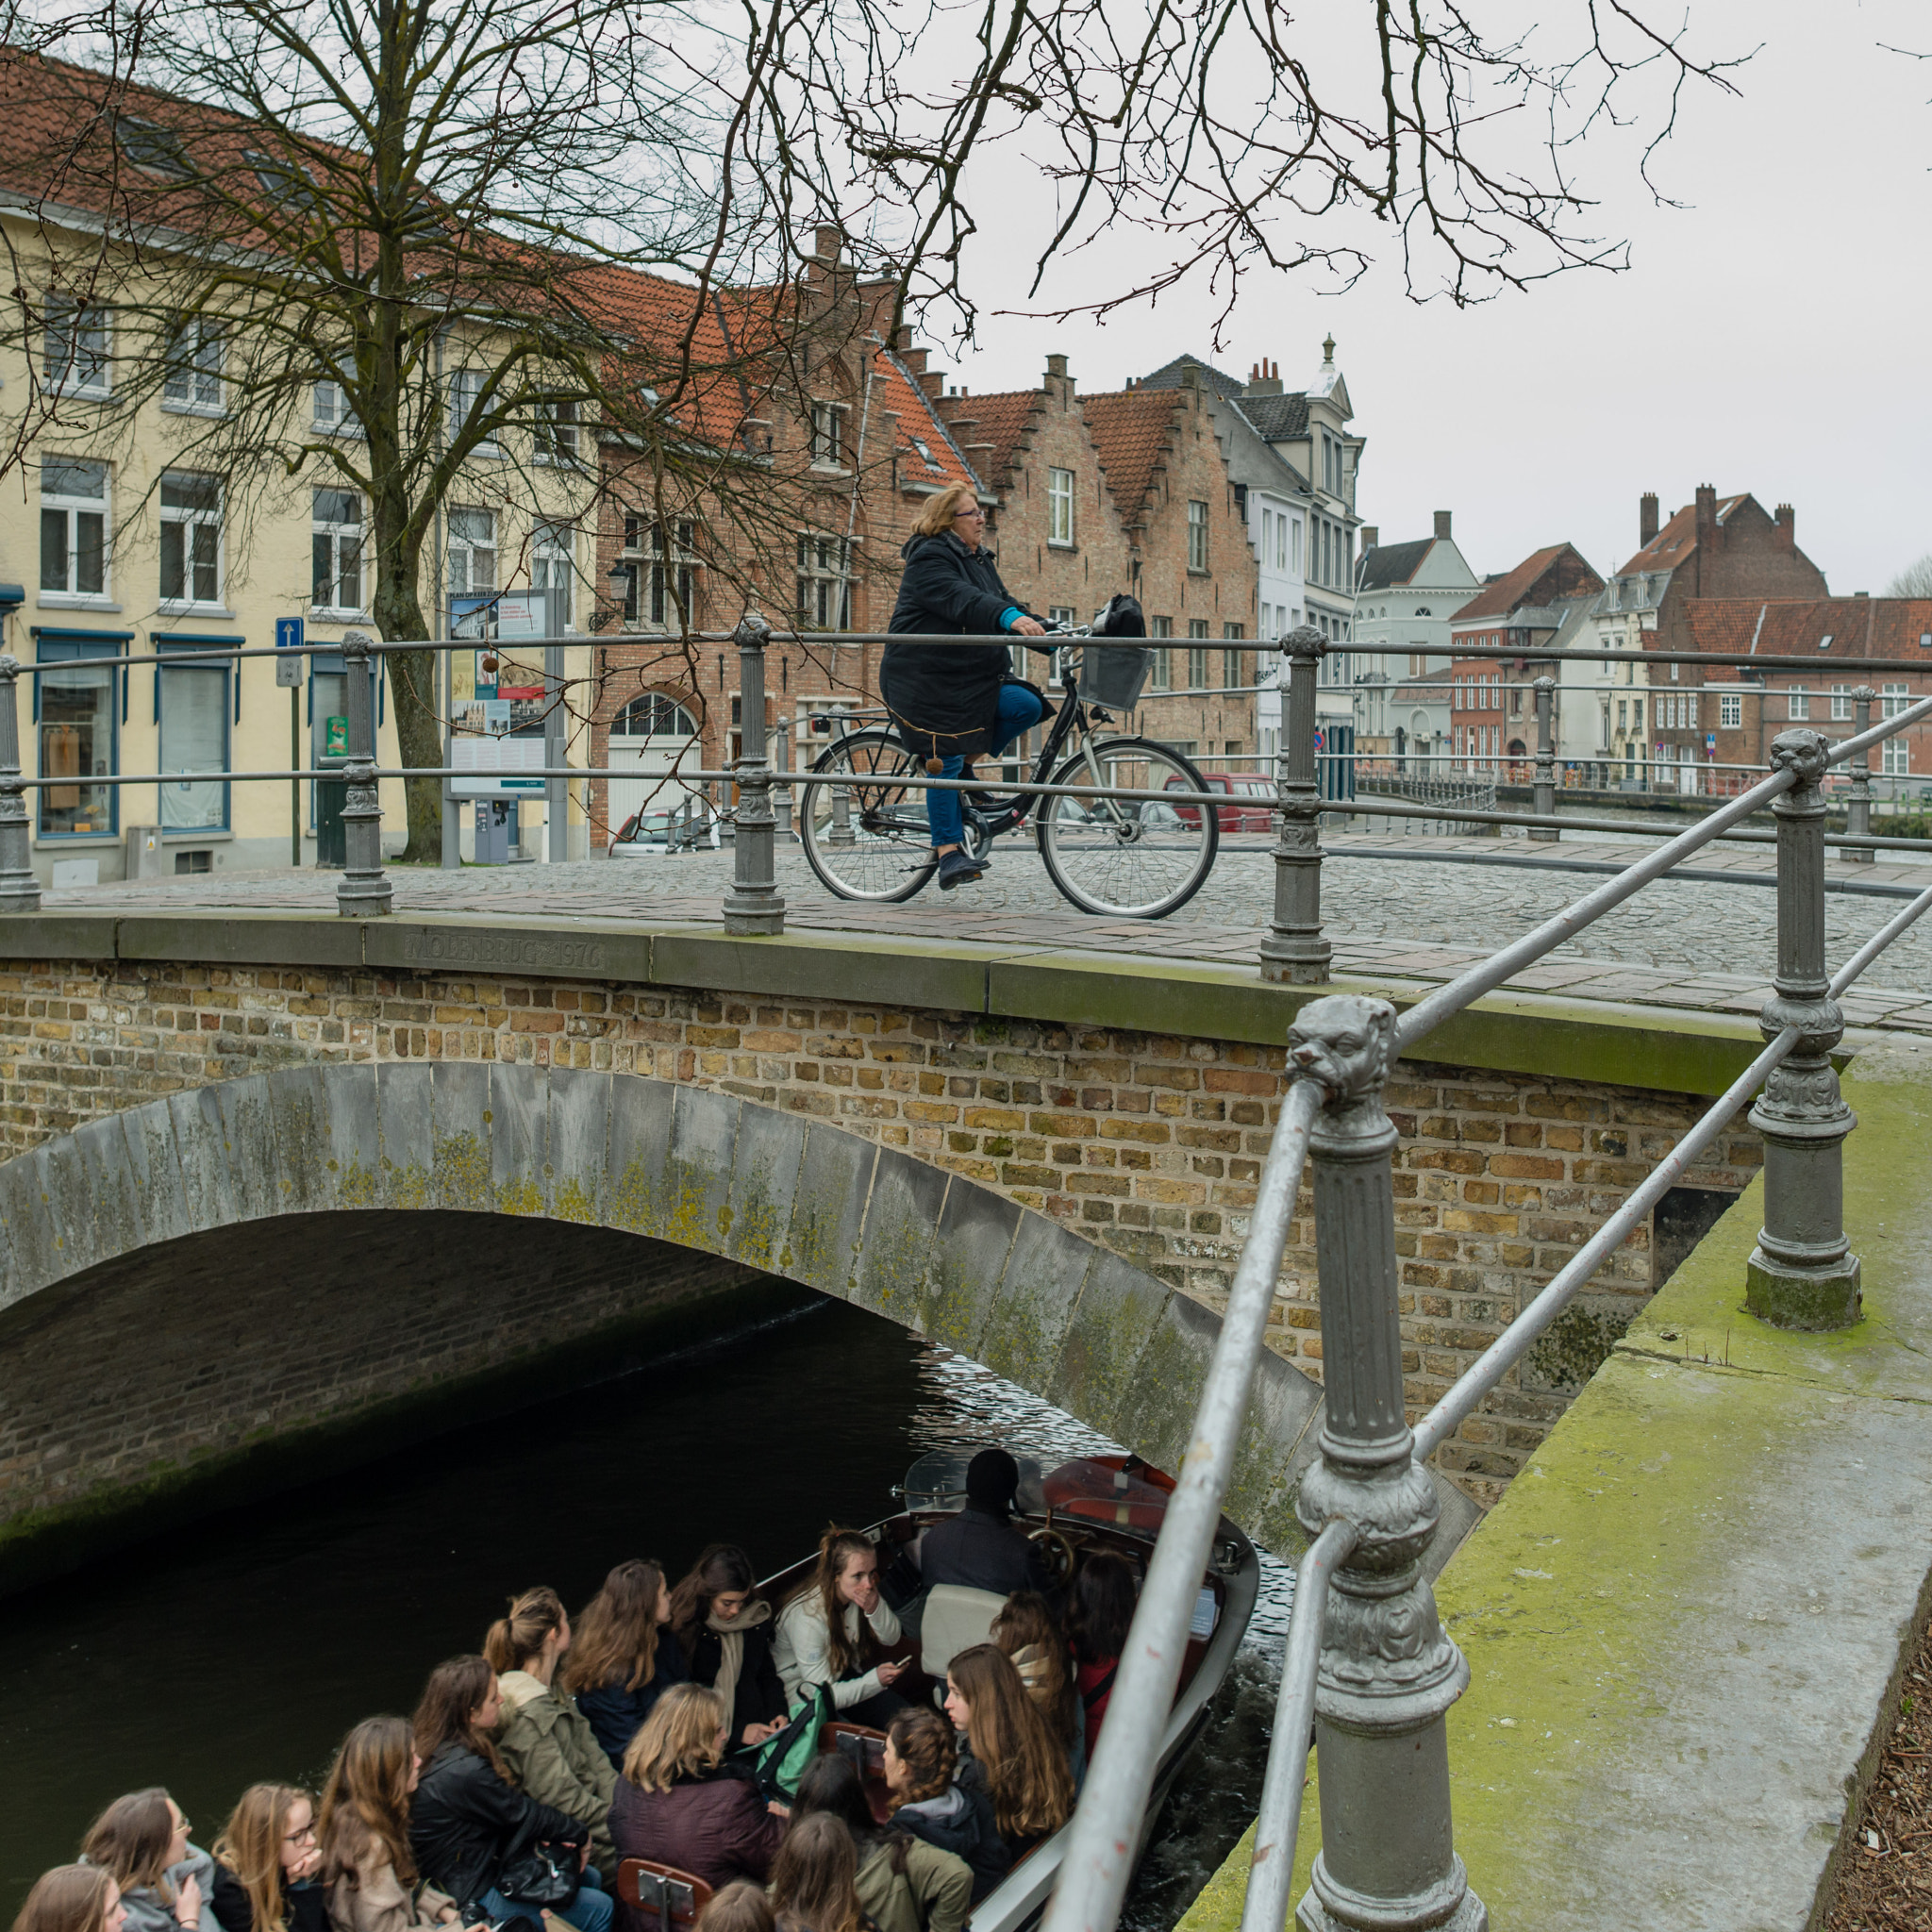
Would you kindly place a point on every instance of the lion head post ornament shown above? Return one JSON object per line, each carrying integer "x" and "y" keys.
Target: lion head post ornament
{"x": 1344, "y": 1041}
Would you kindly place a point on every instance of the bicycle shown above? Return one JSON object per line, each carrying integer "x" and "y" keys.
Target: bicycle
{"x": 1125, "y": 857}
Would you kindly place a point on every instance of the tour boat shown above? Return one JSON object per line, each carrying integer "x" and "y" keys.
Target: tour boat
{"x": 1113, "y": 1503}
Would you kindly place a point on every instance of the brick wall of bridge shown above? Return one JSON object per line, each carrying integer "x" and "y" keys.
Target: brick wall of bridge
{"x": 1149, "y": 1144}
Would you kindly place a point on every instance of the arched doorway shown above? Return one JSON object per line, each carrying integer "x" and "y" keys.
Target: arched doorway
{"x": 650, "y": 739}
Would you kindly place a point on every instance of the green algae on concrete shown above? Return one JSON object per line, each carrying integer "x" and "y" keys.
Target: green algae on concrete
{"x": 1687, "y": 1619}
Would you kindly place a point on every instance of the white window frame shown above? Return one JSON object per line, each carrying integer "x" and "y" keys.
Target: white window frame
{"x": 1892, "y": 699}
{"x": 1060, "y": 508}
{"x": 1730, "y": 711}
{"x": 71, "y": 507}
{"x": 1798, "y": 703}
{"x": 555, "y": 433}
{"x": 191, "y": 382}
{"x": 1895, "y": 757}
{"x": 553, "y": 562}
{"x": 1841, "y": 701}
{"x": 466, "y": 387}
{"x": 331, "y": 414}
{"x": 830, "y": 449}
{"x": 1198, "y": 536}
{"x": 191, "y": 521}
{"x": 469, "y": 548}
{"x": 823, "y": 580}
{"x": 70, "y": 365}
{"x": 334, "y": 533}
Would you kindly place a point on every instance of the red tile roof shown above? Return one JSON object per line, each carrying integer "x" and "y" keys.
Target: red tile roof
{"x": 1856, "y": 627}
{"x": 1000, "y": 419}
{"x": 1677, "y": 539}
{"x": 927, "y": 453}
{"x": 1504, "y": 593}
{"x": 1131, "y": 430}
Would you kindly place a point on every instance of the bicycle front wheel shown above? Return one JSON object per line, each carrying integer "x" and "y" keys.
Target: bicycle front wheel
{"x": 866, "y": 837}
{"x": 1130, "y": 858}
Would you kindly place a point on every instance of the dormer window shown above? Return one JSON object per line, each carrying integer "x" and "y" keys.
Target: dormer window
{"x": 1824, "y": 643}
{"x": 925, "y": 450}
{"x": 155, "y": 150}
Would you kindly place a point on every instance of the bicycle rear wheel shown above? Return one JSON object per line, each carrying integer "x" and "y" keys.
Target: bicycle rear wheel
{"x": 1132, "y": 859}
{"x": 867, "y": 837}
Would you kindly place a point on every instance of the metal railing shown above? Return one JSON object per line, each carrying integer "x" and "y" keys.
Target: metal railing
{"x": 1367, "y": 1669}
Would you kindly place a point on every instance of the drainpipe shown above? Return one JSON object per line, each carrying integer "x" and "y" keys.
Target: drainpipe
{"x": 852, "y": 503}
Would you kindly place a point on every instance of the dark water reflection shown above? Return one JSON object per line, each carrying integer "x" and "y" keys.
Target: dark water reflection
{"x": 242, "y": 1647}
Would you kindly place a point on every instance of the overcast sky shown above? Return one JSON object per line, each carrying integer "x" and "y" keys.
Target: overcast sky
{"x": 1773, "y": 333}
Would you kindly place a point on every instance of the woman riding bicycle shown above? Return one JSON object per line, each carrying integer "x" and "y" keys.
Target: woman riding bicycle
{"x": 953, "y": 705}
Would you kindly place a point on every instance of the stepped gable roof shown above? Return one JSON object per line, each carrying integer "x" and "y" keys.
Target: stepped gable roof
{"x": 1283, "y": 417}
{"x": 1502, "y": 594}
{"x": 1677, "y": 539}
{"x": 1897, "y": 627}
{"x": 1388, "y": 564}
{"x": 926, "y": 450}
{"x": 999, "y": 418}
{"x": 1168, "y": 376}
{"x": 1130, "y": 429}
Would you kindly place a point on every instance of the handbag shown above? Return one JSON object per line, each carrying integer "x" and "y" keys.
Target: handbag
{"x": 785, "y": 1757}
{"x": 539, "y": 1877}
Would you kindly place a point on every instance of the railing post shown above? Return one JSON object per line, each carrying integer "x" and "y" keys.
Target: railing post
{"x": 1294, "y": 950}
{"x": 363, "y": 889}
{"x": 1801, "y": 1274}
{"x": 784, "y": 766}
{"x": 1388, "y": 1672}
{"x": 1858, "y": 813}
{"x": 20, "y": 891}
{"x": 753, "y": 903}
{"x": 1544, "y": 795}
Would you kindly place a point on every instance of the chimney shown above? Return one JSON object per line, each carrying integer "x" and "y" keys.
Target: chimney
{"x": 1706, "y": 516}
{"x": 826, "y": 242}
{"x": 1371, "y": 536}
{"x": 1443, "y": 517}
{"x": 1646, "y": 518}
{"x": 1056, "y": 365}
{"x": 1266, "y": 380}
{"x": 913, "y": 358}
{"x": 902, "y": 338}
{"x": 1786, "y": 535}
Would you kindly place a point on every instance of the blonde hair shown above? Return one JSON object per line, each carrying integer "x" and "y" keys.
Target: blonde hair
{"x": 678, "y": 1739}
{"x": 936, "y": 519}
{"x": 250, "y": 1847}
{"x": 70, "y": 1898}
{"x": 532, "y": 1617}
{"x": 367, "y": 1800}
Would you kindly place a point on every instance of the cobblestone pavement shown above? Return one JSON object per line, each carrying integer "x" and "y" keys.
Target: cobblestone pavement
{"x": 1702, "y": 943}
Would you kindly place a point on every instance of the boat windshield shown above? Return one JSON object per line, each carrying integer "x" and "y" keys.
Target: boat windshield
{"x": 1102, "y": 1491}
{"x": 938, "y": 1480}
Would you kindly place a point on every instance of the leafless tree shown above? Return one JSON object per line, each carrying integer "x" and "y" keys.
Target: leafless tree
{"x": 1915, "y": 580}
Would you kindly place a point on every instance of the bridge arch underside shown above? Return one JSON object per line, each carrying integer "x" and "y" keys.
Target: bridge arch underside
{"x": 211, "y": 1293}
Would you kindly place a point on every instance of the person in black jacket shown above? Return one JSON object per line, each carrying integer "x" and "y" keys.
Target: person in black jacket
{"x": 951, "y": 706}
{"x": 266, "y": 1861}
{"x": 980, "y": 1547}
{"x": 467, "y": 1821}
{"x": 725, "y": 1631}
{"x": 931, "y": 1802}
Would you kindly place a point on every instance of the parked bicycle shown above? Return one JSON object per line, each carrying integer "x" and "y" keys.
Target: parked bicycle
{"x": 1125, "y": 857}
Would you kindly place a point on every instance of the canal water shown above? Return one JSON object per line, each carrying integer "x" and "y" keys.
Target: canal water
{"x": 241, "y": 1647}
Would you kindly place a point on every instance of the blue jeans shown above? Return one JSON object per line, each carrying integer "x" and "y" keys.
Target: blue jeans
{"x": 590, "y": 1911}
{"x": 1020, "y": 711}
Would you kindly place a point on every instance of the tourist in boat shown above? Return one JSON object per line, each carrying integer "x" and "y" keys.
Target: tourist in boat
{"x": 1100, "y": 1607}
{"x": 1008, "y": 1746}
{"x": 815, "y": 1878}
{"x": 725, "y": 1631}
{"x": 830, "y": 1632}
{"x": 547, "y": 1743}
{"x": 266, "y": 1861}
{"x": 904, "y": 1884}
{"x": 623, "y": 1658}
{"x": 467, "y": 1820}
{"x": 167, "y": 1883}
{"x": 681, "y": 1803}
{"x": 921, "y": 1766}
{"x": 1028, "y": 1632}
{"x": 979, "y": 1548}
{"x": 368, "y": 1867}
{"x": 73, "y": 1898}
{"x": 739, "y": 1906}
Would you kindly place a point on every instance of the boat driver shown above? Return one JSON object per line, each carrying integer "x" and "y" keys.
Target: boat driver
{"x": 980, "y": 1548}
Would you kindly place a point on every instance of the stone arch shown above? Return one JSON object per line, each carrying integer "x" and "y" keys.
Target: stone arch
{"x": 782, "y": 1193}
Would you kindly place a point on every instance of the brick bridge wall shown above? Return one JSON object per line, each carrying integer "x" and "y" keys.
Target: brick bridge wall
{"x": 1149, "y": 1144}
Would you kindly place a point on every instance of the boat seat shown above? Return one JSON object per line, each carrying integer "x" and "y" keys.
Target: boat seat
{"x": 956, "y": 1619}
{"x": 662, "y": 1893}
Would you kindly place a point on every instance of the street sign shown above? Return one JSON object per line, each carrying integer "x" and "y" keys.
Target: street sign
{"x": 288, "y": 639}
{"x": 1711, "y": 741}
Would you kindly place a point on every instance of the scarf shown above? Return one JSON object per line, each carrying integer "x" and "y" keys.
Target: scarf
{"x": 731, "y": 1648}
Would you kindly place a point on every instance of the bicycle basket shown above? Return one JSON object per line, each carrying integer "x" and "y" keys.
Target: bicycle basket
{"x": 1113, "y": 675}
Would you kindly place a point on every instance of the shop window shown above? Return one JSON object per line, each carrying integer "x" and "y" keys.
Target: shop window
{"x": 78, "y": 727}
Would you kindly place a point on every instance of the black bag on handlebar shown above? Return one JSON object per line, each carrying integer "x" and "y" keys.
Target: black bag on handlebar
{"x": 1113, "y": 675}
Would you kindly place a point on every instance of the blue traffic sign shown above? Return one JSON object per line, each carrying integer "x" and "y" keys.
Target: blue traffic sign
{"x": 288, "y": 633}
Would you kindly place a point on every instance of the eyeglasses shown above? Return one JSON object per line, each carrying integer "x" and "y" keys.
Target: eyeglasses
{"x": 295, "y": 1837}
{"x": 964, "y": 515}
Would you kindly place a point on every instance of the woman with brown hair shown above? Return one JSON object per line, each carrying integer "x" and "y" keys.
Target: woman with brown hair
{"x": 167, "y": 1883}
{"x": 73, "y": 1898}
{"x": 623, "y": 1658}
{"x": 951, "y": 704}
{"x": 681, "y": 1803}
{"x": 831, "y": 1630}
{"x": 739, "y": 1906}
{"x": 1008, "y": 1747}
{"x": 904, "y": 1884}
{"x": 725, "y": 1631}
{"x": 265, "y": 1864}
{"x": 815, "y": 1878}
{"x": 467, "y": 1821}
{"x": 1028, "y": 1632}
{"x": 920, "y": 1763}
{"x": 1100, "y": 1608}
{"x": 368, "y": 1870}
{"x": 546, "y": 1743}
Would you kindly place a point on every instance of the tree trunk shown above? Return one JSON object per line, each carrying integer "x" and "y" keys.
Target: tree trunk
{"x": 419, "y": 725}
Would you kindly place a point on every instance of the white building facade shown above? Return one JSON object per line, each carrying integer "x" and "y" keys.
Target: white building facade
{"x": 1405, "y": 595}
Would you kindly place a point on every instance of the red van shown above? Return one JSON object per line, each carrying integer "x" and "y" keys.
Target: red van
{"x": 1255, "y": 811}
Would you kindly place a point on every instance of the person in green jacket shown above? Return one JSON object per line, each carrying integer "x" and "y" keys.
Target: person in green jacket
{"x": 904, "y": 1885}
{"x": 546, "y": 1743}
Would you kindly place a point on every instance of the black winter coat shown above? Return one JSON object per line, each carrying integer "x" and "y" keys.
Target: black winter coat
{"x": 945, "y": 702}
{"x": 304, "y": 1907}
{"x": 960, "y": 1821}
{"x": 981, "y": 1552}
{"x": 466, "y": 1823}
{"x": 617, "y": 1715}
{"x": 760, "y": 1695}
